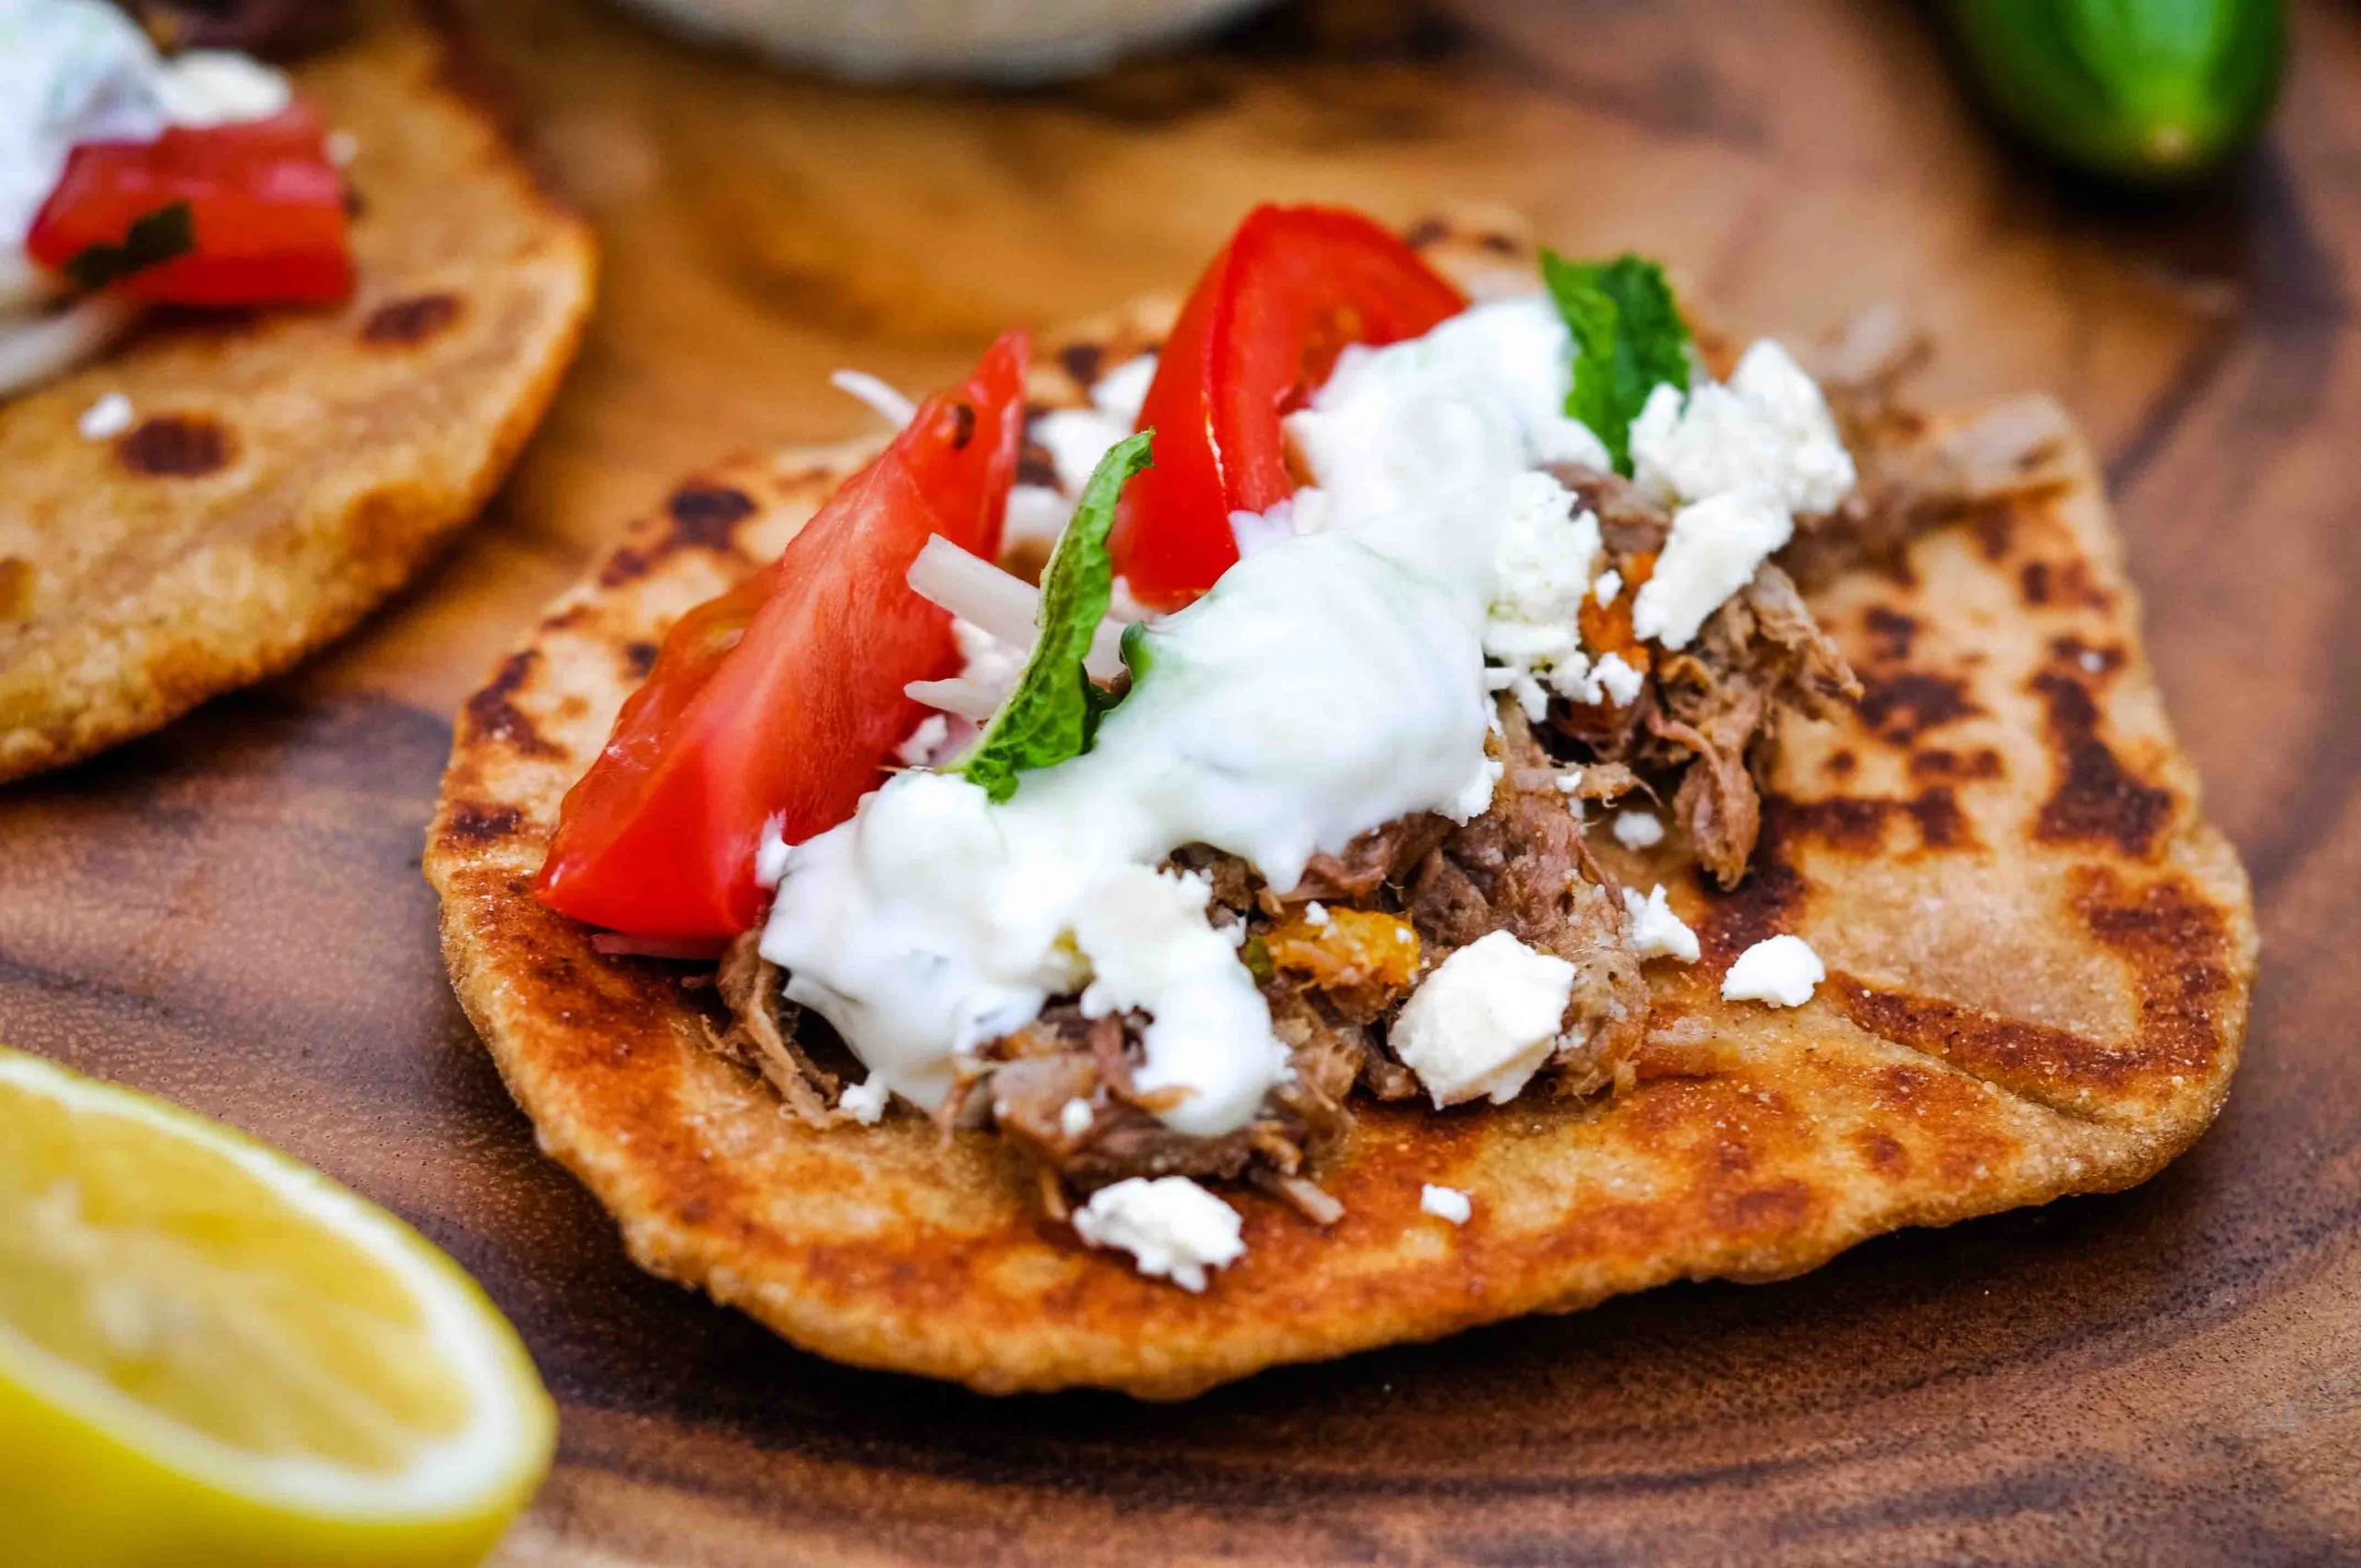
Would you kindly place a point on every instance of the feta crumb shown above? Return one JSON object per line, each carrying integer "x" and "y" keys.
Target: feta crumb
{"x": 1570, "y": 781}
{"x": 1445, "y": 1202}
{"x": 1485, "y": 1020}
{"x": 1120, "y": 392}
{"x": 1543, "y": 565}
{"x": 1315, "y": 913}
{"x": 1076, "y": 439}
{"x": 1768, "y": 428}
{"x": 1656, "y": 932}
{"x": 920, "y": 749}
{"x": 865, "y": 1103}
{"x": 1713, "y": 550}
{"x": 107, "y": 418}
{"x": 1609, "y": 585}
{"x": 1173, "y": 1228}
{"x": 1036, "y": 512}
{"x": 343, "y": 146}
{"x": 1638, "y": 829}
{"x": 1075, "y": 1118}
{"x": 1618, "y": 679}
{"x": 1781, "y": 971}
{"x": 2093, "y": 661}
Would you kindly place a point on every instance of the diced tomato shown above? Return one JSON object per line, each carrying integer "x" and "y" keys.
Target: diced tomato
{"x": 265, "y": 204}
{"x": 1260, "y": 334}
{"x": 783, "y": 697}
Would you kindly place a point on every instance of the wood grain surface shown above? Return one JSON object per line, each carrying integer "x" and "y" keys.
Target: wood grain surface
{"x": 231, "y": 913}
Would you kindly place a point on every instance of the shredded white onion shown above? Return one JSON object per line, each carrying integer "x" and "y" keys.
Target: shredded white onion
{"x": 1000, "y": 602}
{"x": 963, "y": 697}
{"x": 883, "y": 398}
{"x": 35, "y": 351}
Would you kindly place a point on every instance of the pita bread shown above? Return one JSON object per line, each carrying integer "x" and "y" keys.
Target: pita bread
{"x": 2040, "y": 961}
{"x": 290, "y": 468}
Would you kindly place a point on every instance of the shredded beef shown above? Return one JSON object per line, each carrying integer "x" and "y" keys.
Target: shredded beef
{"x": 1062, "y": 1057}
{"x": 1522, "y": 867}
{"x": 1720, "y": 700}
{"x": 762, "y": 1034}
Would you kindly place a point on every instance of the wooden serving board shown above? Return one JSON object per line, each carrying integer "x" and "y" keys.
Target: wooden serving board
{"x": 231, "y": 914}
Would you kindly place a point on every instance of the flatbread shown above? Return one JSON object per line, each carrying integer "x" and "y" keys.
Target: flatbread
{"x": 288, "y": 468}
{"x": 2040, "y": 961}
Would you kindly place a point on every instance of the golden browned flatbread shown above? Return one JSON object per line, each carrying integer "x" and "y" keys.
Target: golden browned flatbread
{"x": 290, "y": 468}
{"x": 2040, "y": 961}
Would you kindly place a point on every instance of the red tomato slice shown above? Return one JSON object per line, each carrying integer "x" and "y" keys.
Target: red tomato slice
{"x": 1258, "y": 335}
{"x": 264, "y": 202}
{"x": 783, "y": 697}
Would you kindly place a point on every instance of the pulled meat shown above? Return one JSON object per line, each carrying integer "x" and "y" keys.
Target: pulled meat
{"x": 1719, "y": 702}
{"x": 1522, "y": 867}
{"x": 1025, "y": 1085}
{"x": 762, "y": 1034}
{"x": 1705, "y": 723}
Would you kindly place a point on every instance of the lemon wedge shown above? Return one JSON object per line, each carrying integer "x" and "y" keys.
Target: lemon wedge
{"x": 211, "y": 1355}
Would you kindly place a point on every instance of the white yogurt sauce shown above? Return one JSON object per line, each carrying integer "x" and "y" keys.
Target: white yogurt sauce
{"x": 1330, "y": 683}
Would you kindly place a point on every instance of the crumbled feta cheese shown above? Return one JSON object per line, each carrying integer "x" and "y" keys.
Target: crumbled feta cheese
{"x": 1120, "y": 392}
{"x": 1609, "y": 585}
{"x": 1445, "y": 1202}
{"x": 1075, "y": 1118}
{"x": 1638, "y": 829}
{"x": 1713, "y": 550}
{"x": 865, "y": 1103}
{"x": 1570, "y": 781}
{"x": 2091, "y": 660}
{"x": 1173, "y": 1228}
{"x": 220, "y": 86}
{"x": 1656, "y": 931}
{"x": 1544, "y": 571}
{"x": 343, "y": 146}
{"x": 924, "y": 742}
{"x": 1769, "y": 428}
{"x": 1076, "y": 439}
{"x": 1037, "y": 513}
{"x": 1781, "y": 971}
{"x": 1315, "y": 913}
{"x": 1618, "y": 682}
{"x": 1483, "y": 1020}
{"x": 107, "y": 418}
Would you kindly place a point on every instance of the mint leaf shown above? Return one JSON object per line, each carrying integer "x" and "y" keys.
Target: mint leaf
{"x": 166, "y": 234}
{"x": 1055, "y": 710}
{"x": 1628, "y": 338}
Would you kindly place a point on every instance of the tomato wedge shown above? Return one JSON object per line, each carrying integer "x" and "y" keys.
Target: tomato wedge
{"x": 1258, "y": 336}
{"x": 783, "y": 697}
{"x": 252, "y": 213}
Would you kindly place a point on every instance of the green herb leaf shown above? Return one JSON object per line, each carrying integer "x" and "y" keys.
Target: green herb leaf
{"x": 1628, "y": 338}
{"x": 1054, "y": 711}
{"x": 166, "y": 234}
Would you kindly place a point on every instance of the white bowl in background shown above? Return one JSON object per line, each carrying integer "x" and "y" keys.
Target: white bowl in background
{"x": 1000, "y": 40}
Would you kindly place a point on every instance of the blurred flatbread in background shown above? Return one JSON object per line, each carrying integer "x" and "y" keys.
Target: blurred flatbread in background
{"x": 285, "y": 470}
